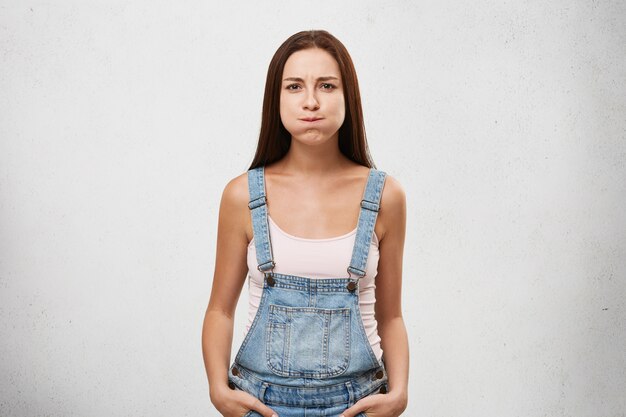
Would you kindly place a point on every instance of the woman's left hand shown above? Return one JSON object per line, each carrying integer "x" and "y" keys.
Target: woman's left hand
{"x": 378, "y": 405}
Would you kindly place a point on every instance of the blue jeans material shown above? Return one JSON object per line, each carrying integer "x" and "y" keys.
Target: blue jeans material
{"x": 306, "y": 353}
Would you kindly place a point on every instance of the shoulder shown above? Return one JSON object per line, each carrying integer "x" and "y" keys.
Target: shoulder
{"x": 393, "y": 194}
{"x": 235, "y": 193}
{"x": 234, "y": 213}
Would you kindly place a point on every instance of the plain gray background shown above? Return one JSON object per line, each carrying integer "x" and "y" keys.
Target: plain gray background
{"x": 121, "y": 122}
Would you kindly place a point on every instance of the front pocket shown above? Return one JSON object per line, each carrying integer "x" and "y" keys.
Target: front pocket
{"x": 307, "y": 341}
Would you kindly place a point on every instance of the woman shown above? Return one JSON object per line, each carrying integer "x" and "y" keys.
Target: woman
{"x": 318, "y": 326}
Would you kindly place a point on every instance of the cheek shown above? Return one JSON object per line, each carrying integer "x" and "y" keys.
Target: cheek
{"x": 341, "y": 109}
{"x": 283, "y": 108}
{"x": 286, "y": 105}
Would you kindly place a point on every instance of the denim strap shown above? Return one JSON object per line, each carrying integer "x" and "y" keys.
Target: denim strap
{"x": 367, "y": 220}
{"x": 258, "y": 212}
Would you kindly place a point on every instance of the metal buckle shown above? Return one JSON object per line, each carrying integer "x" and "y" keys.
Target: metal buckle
{"x": 271, "y": 269}
{"x": 359, "y": 276}
{"x": 256, "y": 203}
{"x": 269, "y": 278}
{"x": 370, "y": 205}
{"x": 352, "y": 281}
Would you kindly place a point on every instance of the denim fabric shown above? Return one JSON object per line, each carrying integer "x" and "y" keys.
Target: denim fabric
{"x": 306, "y": 353}
{"x": 336, "y": 411}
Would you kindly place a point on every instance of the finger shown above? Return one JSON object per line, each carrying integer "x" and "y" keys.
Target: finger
{"x": 252, "y": 403}
{"x": 262, "y": 409}
{"x": 357, "y": 408}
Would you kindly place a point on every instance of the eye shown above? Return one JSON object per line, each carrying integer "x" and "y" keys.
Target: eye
{"x": 328, "y": 86}
{"x": 292, "y": 87}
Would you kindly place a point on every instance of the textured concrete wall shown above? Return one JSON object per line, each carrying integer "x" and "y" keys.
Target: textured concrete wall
{"x": 120, "y": 123}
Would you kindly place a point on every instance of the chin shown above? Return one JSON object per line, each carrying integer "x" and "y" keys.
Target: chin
{"x": 312, "y": 138}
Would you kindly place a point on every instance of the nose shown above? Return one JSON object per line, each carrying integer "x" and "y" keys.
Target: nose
{"x": 310, "y": 100}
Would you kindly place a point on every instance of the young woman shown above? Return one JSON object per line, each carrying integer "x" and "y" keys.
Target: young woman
{"x": 319, "y": 233}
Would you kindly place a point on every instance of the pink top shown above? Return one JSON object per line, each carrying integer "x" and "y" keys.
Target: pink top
{"x": 317, "y": 258}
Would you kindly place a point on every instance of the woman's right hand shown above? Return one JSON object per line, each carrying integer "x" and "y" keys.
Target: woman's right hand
{"x": 237, "y": 403}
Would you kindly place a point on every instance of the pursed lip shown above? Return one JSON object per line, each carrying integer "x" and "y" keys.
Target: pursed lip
{"x": 311, "y": 119}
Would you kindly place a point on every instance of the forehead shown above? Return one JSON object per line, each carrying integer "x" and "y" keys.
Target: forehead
{"x": 312, "y": 61}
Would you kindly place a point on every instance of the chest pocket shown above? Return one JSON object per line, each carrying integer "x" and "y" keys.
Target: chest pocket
{"x": 308, "y": 342}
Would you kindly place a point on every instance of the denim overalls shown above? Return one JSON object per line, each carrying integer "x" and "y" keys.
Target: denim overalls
{"x": 306, "y": 352}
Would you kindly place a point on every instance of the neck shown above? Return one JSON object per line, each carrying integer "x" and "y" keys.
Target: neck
{"x": 316, "y": 160}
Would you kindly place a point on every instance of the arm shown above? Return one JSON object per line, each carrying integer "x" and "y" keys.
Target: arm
{"x": 230, "y": 274}
{"x": 391, "y": 328}
{"x": 391, "y": 229}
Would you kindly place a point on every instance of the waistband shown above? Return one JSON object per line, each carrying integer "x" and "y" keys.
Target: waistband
{"x": 321, "y": 396}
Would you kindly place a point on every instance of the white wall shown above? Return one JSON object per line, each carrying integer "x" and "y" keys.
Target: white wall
{"x": 121, "y": 122}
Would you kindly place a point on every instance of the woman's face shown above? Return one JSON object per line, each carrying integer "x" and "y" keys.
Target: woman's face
{"x": 312, "y": 106}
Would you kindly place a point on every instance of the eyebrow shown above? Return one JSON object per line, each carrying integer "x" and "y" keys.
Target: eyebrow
{"x": 326, "y": 78}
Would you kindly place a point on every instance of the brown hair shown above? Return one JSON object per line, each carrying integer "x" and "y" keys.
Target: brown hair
{"x": 274, "y": 139}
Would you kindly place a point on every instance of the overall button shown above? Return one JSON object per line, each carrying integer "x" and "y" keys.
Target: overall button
{"x": 383, "y": 390}
{"x": 235, "y": 371}
{"x": 270, "y": 281}
{"x": 379, "y": 374}
{"x": 351, "y": 286}
{"x": 231, "y": 385}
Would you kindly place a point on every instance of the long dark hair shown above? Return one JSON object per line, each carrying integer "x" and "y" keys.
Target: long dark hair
{"x": 274, "y": 139}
